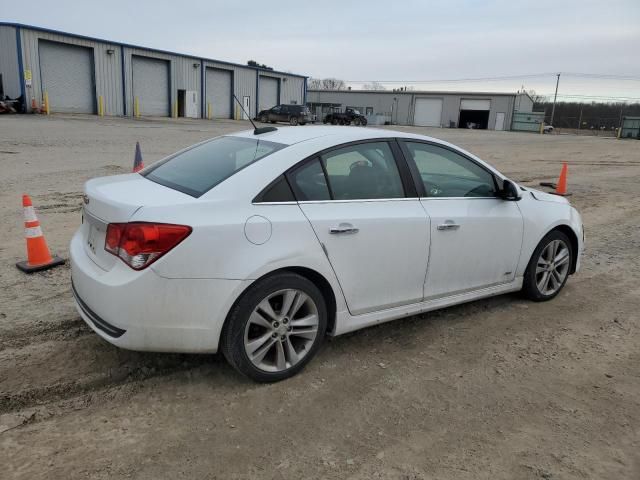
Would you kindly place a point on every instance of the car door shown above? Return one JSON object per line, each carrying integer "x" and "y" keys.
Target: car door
{"x": 362, "y": 205}
{"x": 274, "y": 114}
{"x": 283, "y": 116}
{"x": 476, "y": 236}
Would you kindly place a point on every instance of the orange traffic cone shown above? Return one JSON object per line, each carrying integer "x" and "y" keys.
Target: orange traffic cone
{"x": 38, "y": 255}
{"x": 561, "y": 188}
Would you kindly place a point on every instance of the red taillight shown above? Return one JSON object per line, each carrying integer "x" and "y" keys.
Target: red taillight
{"x": 140, "y": 244}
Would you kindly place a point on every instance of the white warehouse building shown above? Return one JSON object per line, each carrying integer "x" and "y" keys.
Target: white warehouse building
{"x": 80, "y": 74}
{"x": 484, "y": 110}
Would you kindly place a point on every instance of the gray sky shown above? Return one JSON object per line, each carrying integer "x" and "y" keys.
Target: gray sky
{"x": 380, "y": 40}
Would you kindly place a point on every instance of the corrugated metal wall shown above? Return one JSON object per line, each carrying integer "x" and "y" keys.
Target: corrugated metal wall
{"x": 9, "y": 62}
{"x": 402, "y": 104}
{"x": 108, "y": 74}
{"x": 112, "y": 59}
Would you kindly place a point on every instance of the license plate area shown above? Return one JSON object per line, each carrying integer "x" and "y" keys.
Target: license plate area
{"x": 96, "y": 231}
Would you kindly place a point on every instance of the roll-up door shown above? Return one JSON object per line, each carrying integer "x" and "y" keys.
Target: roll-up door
{"x": 268, "y": 92}
{"x": 428, "y": 112}
{"x": 68, "y": 77}
{"x": 472, "y": 104}
{"x": 151, "y": 85}
{"x": 219, "y": 88}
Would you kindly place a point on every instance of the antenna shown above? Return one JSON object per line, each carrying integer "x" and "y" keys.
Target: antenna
{"x": 256, "y": 130}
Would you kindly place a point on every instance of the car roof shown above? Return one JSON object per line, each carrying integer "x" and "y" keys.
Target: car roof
{"x": 294, "y": 135}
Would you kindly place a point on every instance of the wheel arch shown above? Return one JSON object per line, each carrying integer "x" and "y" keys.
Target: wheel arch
{"x": 313, "y": 276}
{"x": 573, "y": 238}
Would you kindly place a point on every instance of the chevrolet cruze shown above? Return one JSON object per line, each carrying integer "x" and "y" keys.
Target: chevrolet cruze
{"x": 258, "y": 244}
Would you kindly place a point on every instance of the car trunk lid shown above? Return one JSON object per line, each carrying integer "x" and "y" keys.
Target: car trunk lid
{"x": 115, "y": 200}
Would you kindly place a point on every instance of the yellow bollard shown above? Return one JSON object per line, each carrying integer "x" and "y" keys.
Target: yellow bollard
{"x": 101, "y": 106}
{"x": 46, "y": 102}
{"x": 209, "y": 110}
{"x": 174, "y": 114}
{"x": 136, "y": 107}
{"x": 541, "y": 128}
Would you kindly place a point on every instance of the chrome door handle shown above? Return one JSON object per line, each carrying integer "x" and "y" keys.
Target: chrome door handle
{"x": 345, "y": 228}
{"x": 448, "y": 226}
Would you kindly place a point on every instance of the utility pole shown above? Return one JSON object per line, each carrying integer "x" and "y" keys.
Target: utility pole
{"x": 580, "y": 119}
{"x": 553, "y": 110}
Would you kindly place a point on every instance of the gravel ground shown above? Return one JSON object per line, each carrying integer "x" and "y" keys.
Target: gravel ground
{"x": 500, "y": 388}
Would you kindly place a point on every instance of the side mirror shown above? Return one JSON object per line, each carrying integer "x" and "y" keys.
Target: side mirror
{"x": 509, "y": 191}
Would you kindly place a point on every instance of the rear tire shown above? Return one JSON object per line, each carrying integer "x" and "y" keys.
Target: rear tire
{"x": 293, "y": 121}
{"x": 263, "y": 118}
{"x": 334, "y": 121}
{"x": 549, "y": 267}
{"x": 261, "y": 330}
{"x": 356, "y": 122}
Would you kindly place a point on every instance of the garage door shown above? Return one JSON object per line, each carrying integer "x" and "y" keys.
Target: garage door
{"x": 67, "y": 77}
{"x": 218, "y": 90}
{"x": 268, "y": 92}
{"x": 428, "y": 112}
{"x": 468, "y": 104}
{"x": 151, "y": 85}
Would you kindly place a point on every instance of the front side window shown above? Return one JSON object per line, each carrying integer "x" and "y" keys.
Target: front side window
{"x": 363, "y": 171}
{"x": 445, "y": 173}
{"x": 198, "y": 169}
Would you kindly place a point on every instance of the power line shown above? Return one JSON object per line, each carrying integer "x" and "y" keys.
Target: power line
{"x": 507, "y": 77}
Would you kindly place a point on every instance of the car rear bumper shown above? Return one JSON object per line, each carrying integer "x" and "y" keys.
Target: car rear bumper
{"x": 144, "y": 311}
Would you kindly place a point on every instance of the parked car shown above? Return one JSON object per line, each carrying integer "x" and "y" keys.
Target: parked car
{"x": 547, "y": 128}
{"x": 349, "y": 116}
{"x": 292, "y": 114}
{"x": 258, "y": 245}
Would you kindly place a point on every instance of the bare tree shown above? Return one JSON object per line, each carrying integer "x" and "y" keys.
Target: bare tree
{"x": 537, "y": 99}
{"x": 314, "y": 84}
{"x": 333, "y": 84}
{"x": 374, "y": 86}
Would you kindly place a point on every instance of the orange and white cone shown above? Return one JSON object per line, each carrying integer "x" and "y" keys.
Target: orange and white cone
{"x": 38, "y": 255}
{"x": 561, "y": 188}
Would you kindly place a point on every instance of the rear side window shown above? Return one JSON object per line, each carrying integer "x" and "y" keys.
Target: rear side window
{"x": 309, "y": 182}
{"x": 199, "y": 169}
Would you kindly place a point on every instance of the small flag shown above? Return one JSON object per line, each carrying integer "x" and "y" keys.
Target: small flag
{"x": 137, "y": 162}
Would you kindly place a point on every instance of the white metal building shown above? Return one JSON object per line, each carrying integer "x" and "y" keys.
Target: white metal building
{"x": 82, "y": 74}
{"x": 485, "y": 110}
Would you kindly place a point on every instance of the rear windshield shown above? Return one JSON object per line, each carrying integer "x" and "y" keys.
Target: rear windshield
{"x": 199, "y": 169}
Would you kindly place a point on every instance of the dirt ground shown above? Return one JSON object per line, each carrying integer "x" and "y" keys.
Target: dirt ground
{"x": 500, "y": 388}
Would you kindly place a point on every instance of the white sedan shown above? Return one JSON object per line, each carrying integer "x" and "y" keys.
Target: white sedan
{"x": 258, "y": 245}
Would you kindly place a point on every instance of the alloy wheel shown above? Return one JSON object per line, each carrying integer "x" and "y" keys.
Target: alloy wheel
{"x": 281, "y": 330}
{"x": 552, "y": 267}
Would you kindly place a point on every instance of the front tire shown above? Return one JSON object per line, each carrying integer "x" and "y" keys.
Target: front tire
{"x": 263, "y": 118}
{"x": 549, "y": 267}
{"x": 293, "y": 121}
{"x": 275, "y": 328}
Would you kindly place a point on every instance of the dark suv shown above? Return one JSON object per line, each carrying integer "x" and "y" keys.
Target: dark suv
{"x": 293, "y": 114}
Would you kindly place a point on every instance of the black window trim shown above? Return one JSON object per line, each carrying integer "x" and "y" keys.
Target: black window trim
{"x": 259, "y": 198}
{"x": 408, "y": 183}
{"x": 415, "y": 174}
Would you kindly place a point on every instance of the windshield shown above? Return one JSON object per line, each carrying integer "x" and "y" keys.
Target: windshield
{"x": 200, "y": 168}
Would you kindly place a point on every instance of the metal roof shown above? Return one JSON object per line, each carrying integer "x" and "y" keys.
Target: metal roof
{"x": 129, "y": 45}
